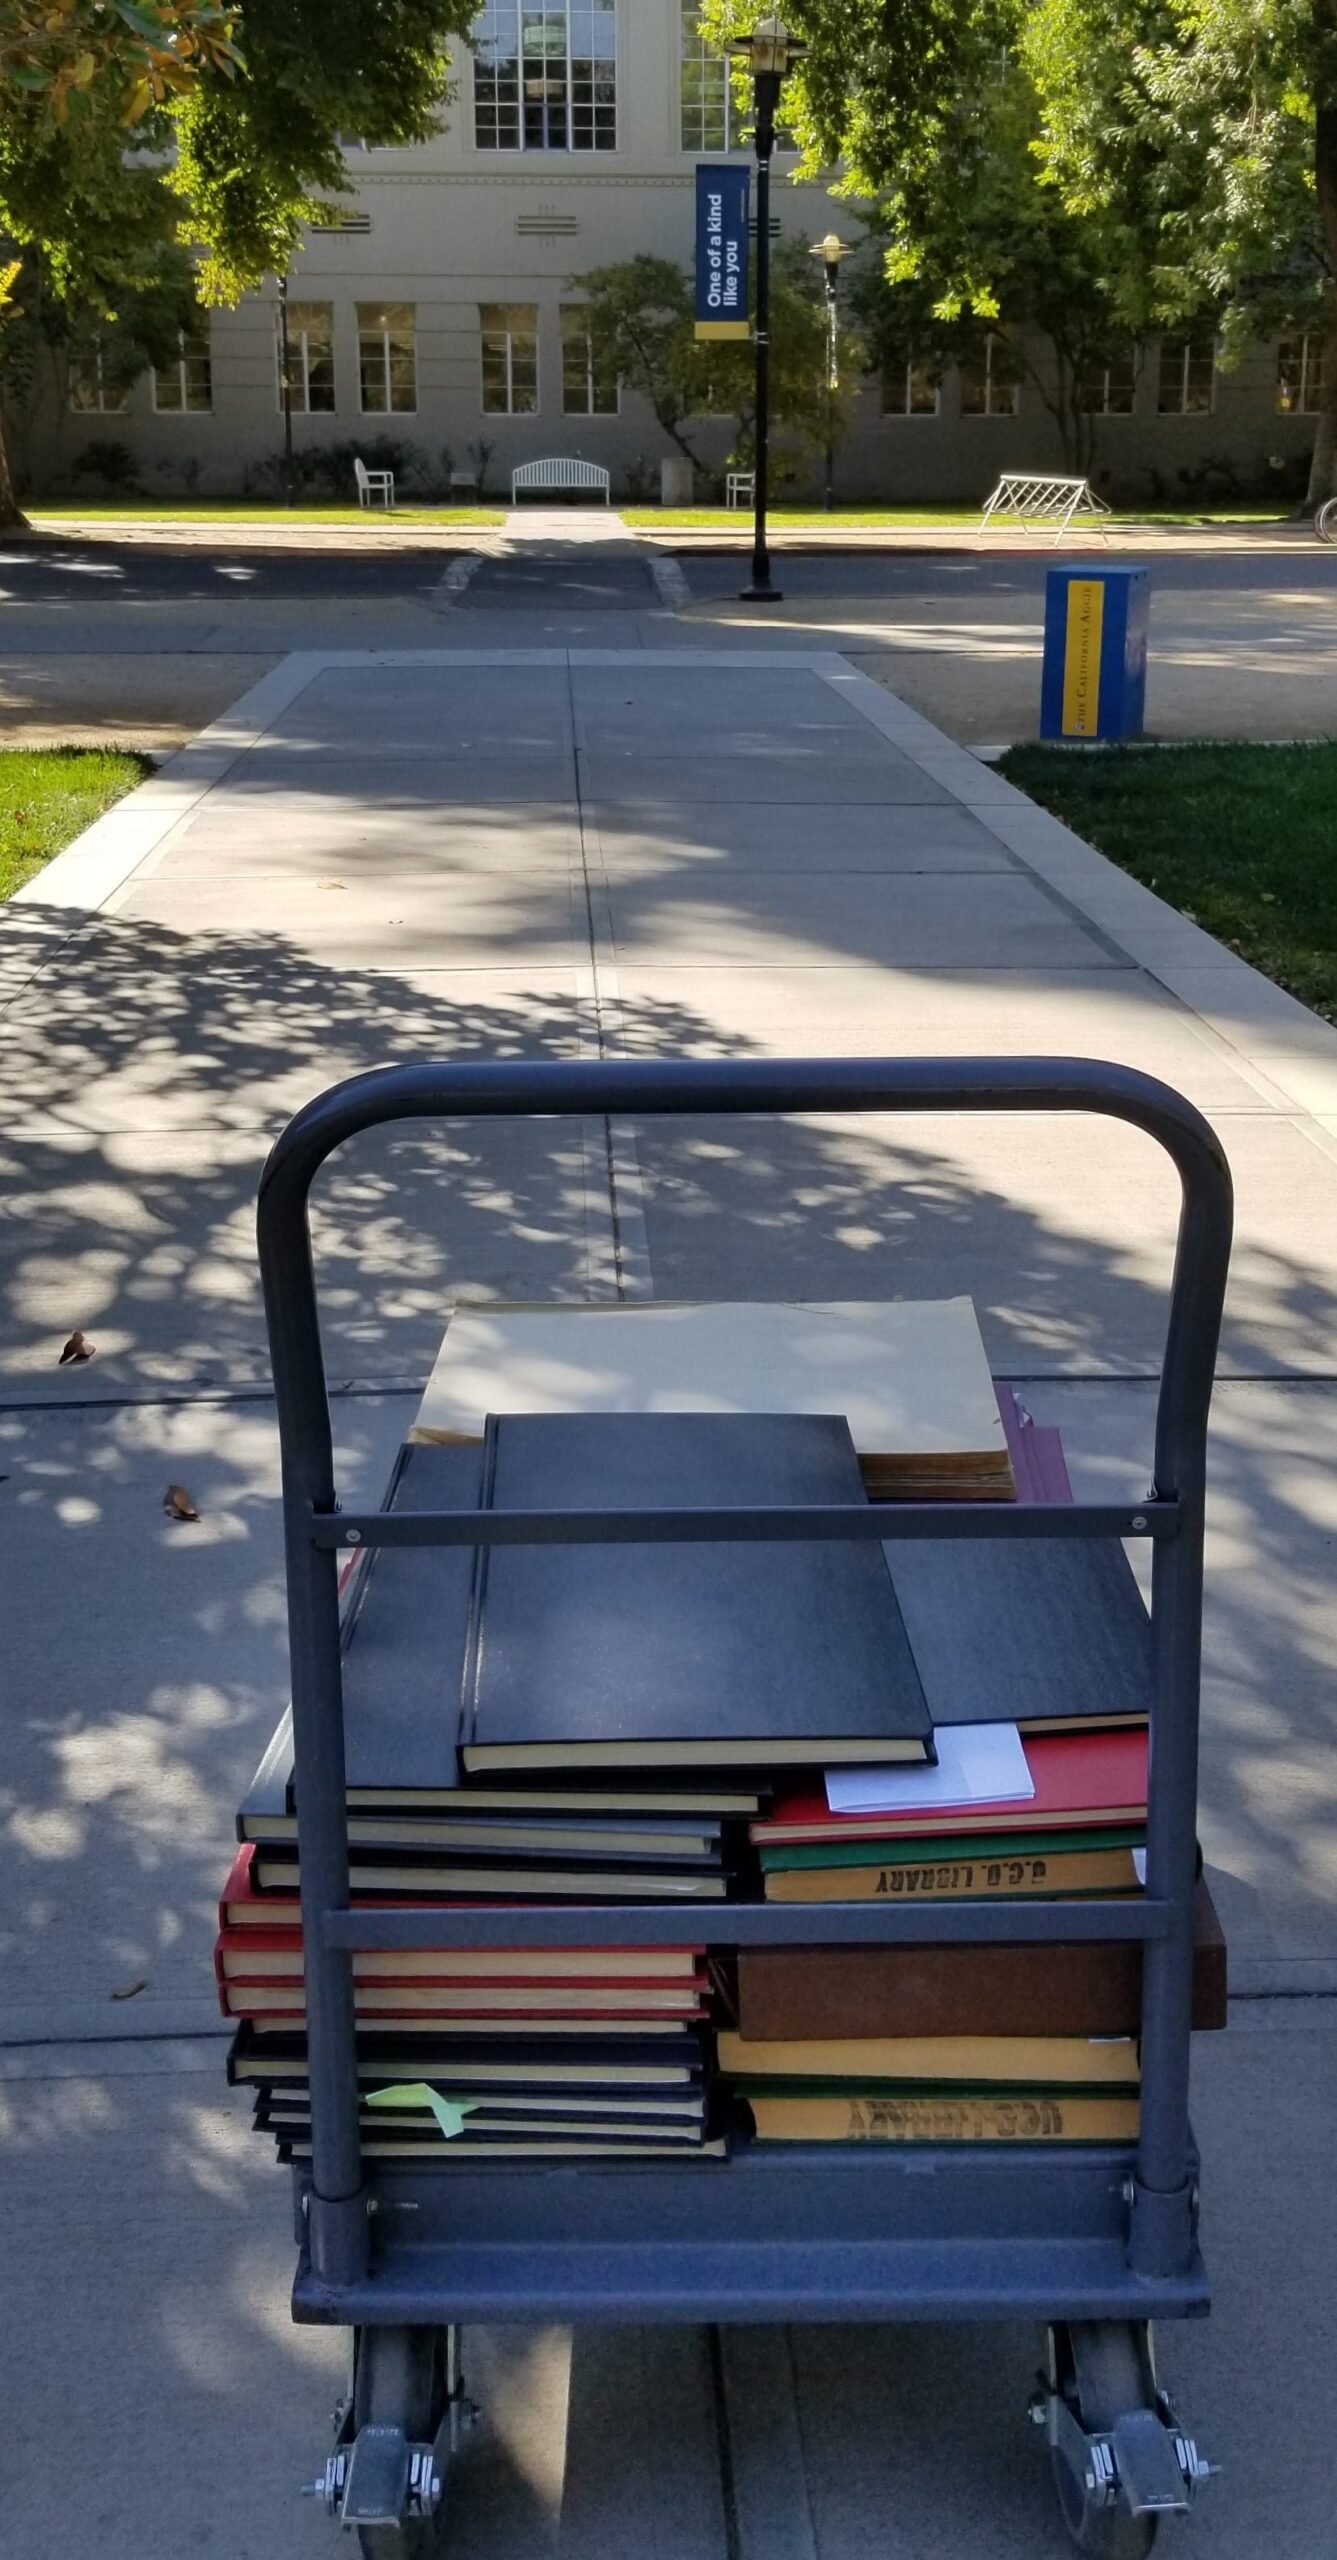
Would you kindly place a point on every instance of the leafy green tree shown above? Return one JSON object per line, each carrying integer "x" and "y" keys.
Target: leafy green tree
{"x": 976, "y": 241}
{"x": 62, "y": 54}
{"x": 640, "y": 317}
{"x": 934, "y": 120}
{"x": 259, "y": 153}
{"x": 93, "y": 231}
{"x": 1199, "y": 137}
{"x": 235, "y": 143}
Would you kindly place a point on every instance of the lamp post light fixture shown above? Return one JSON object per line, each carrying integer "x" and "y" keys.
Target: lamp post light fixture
{"x": 831, "y": 250}
{"x": 285, "y": 381}
{"x": 769, "y": 52}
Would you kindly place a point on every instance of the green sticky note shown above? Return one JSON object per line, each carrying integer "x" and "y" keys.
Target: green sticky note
{"x": 450, "y": 2118}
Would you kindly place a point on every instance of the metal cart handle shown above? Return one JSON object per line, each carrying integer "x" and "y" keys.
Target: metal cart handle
{"x": 439, "y": 1089}
{"x": 1161, "y": 2210}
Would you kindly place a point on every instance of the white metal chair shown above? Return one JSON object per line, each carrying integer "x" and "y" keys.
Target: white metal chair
{"x": 740, "y": 489}
{"x": 372, "y": 485}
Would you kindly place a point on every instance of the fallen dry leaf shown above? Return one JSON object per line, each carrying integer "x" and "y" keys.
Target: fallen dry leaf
{"x": 128, "y": 1989}
{"x": 177, "y": 1503}
{"x": 77, "y": 1348}
{"x": 329, "y": 884}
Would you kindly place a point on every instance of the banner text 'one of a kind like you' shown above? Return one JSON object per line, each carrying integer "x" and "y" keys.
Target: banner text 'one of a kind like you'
{"x": 721, "y": 251}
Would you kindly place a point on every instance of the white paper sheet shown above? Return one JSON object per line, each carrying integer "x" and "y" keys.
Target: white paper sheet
{"x": 977, "y": 1764}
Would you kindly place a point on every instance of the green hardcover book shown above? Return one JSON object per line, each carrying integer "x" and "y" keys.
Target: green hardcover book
{"x": 927, "y": 1853}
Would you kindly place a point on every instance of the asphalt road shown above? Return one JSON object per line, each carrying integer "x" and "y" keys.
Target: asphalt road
{"x": 53, "y": 571}
{"x": 154, "y": 640}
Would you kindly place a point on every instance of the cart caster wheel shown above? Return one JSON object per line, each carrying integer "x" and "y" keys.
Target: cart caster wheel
{"x": 1107, "y": 2537}
{"x": 1103, "y": 2369}
{"x": 406, "y": 2378}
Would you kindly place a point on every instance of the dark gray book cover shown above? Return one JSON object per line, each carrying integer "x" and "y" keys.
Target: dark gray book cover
{"x": 1030, "y": 1631}
{"x": 406, "y": 1643}
{"x": 668, "y": 1655}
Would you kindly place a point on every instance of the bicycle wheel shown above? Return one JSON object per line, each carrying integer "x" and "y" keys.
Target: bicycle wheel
{"x": 1325, "y": 522}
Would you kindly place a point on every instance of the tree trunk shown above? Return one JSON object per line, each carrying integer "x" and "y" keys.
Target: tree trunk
{"x": 1323, "y": 467}
{"x": 12, "y": 517}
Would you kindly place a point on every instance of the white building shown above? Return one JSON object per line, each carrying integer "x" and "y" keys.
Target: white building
{"x": 440, "y": 309}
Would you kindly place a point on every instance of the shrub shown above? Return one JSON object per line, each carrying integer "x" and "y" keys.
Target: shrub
{"x": 105, "y": 460}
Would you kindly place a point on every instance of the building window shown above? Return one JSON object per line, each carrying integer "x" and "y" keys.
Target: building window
{"x": 1188, "y": 374}
{"x": 1300, "y": 374}
{"x": 909, "y": 389}
{"x": 387, "y": 357}
{"x": 95, "y": 387}
{"x": 545, "y": 76}
{"x": 510, "y": 343}
{"x": 989, "y": 386}
{"x": 589, "y": 385}
{"x": 310, "y": 356}
{"x": 710, "y": 119}
{"x": 188, "y": 382}
{"x": 1107, "y": 390}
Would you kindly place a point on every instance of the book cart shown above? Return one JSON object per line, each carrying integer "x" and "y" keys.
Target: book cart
{"x": 1095, "y": 2242}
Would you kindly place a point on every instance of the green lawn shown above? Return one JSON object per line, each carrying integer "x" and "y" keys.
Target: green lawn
{"x": 898, "y": 519}
{"x": 47, "y": 794}
{"x": 245, "y": 511}
{"x": 1240, "y": 838}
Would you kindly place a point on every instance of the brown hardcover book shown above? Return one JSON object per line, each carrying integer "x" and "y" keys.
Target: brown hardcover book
{"x": 1074, "y": 1990}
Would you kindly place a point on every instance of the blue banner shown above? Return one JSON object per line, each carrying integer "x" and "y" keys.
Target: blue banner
{"x": 721, "y": 250}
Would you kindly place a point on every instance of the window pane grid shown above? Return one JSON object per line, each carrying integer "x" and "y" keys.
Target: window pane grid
{"x": 989, "y": 387}
{"x": 545, "y": 76}
{"x": 92, "y": 388}
{"x": 706, "y": 99}
{"x": 1188, "y": 375}
{"x": 589, "y": 390}
{"x": 1108, "y": 390}
{"x": 508, "y": 336}
{"x": 909, "y": 389}
{"x": 387, "y": 357}
{"x": 187, "y": 384}
{"x": 1300, "y": 374}
{"x": 310, "y": 357}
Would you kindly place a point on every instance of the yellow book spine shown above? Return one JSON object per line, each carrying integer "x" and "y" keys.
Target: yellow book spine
{"x": 1084, "y": 2060}
{"x": 1037, "y": 2118}
{"x": 963, "y": 1879}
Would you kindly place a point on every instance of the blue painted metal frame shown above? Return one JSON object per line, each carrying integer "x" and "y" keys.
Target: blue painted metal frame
{"x": 1067, "y": 2257}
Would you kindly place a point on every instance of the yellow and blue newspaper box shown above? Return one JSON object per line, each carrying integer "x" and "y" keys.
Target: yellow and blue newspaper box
{"x": 1094, "y": 679}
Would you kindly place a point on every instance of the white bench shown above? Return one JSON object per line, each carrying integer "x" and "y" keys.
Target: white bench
{"x": 561, "y": 475}
{"x": 1038, "y": 502}
{"x": 740, "y": 489}
{"x": 373, "y": 484}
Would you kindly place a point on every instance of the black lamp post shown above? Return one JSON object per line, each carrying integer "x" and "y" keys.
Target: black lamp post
{"x": 769, "y": 51}
{"x": 831, "y": 250}
{"x": 285, "y": 380}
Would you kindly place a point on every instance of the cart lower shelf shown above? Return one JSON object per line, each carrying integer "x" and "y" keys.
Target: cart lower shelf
{"x": 967, "y": 2232}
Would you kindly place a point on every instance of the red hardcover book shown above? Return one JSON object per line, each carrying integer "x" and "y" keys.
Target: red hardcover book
{"x": 1081, "y": 1779}
{"x": 265, "y": 1955}
{"x": 458, "y": 2004}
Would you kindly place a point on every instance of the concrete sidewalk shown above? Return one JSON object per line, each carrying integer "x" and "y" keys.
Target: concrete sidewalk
{"x": 542, "y": 849}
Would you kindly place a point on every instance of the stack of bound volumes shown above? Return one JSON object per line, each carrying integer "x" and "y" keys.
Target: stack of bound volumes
{"x": 699, "y": 1724}
{"x": 545, "y": 1724}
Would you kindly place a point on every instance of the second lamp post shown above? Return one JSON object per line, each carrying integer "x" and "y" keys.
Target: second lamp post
{"x": 769, "y": 52}
{"x": 831, "y": 250}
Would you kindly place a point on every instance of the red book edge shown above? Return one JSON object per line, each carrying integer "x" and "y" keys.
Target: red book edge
{"x": 1120, "y": 1753}
{"x": 458, "y": 2021}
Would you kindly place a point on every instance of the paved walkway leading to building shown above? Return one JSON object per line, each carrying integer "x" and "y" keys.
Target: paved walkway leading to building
{"x": 529, "y": 847}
